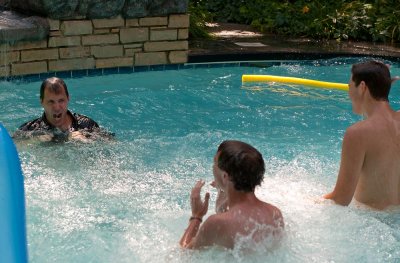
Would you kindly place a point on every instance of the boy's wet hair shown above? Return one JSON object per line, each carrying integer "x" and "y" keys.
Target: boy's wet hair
{"x": 243, "y": 163}
{"x": 376, "y": 76}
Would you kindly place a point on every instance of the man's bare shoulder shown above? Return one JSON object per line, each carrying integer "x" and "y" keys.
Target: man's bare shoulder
{"x": 219, "y": 223}
{"x": 217, "y": 219}
{"x": 360, "y": 130}
{"x": 396, "y": 116}
{"x": 356, "y": 137}
{"x": 215, "y": 231}
{"x": 272, "y": 215}
{"x": 276, "y": 212}
{"x": 373, "y": 125}
{"x": 358, "y": 127}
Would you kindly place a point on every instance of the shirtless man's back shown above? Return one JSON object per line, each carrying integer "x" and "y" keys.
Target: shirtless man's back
{"x": 238, "y": 168}
{"x": 370, "y": 161}
{"x": 250, "y": 218}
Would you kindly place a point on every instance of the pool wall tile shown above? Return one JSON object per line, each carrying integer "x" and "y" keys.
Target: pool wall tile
{"x": 46, "y": 75}
{"x": 172, "y": 67}
{"x": 130, "y": 69}
{"x": 125, "y": 70}
{"x": 141, "y": 68}
{"x": 109, "y": 71}
{"x": 31, "y": 77}
{"x": 64, "y": 74}
{"x": 79, "y": 73}
{"x": 157, "y": 68}
{"x": 187, "y": 66}
{"x": 95, "y": 72}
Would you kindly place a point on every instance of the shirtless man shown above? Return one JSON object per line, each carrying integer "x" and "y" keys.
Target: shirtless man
{"x": 238, "y": 168}
{"x": 370, "y": 162}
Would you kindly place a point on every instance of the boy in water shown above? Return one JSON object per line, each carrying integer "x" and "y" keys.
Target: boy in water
{"x": 370, "y": 162}
{"x": 238, "y": 169}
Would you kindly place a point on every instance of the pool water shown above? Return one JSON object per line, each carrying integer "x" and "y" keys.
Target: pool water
{"x": 127, "y": 200}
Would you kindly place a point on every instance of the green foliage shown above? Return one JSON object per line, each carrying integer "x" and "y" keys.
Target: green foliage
{"x": 198, "y": 16}
{"x": 376, "y": 20}
{"x": 352, "y": 20}
{"x": 387, "y": 22}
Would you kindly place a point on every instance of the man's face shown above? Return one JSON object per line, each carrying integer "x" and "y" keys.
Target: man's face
{"x": 55, "y": 106}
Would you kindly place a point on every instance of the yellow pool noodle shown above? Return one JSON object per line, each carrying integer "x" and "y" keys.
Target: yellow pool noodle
{"x": 298, "y": 81}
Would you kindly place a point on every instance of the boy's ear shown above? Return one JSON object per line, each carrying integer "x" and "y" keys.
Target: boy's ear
{"x": 362, "y": 86}
{"x": 225, "y": 176}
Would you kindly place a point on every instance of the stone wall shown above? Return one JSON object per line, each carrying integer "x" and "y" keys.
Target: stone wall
{"x": 100, "y": 43}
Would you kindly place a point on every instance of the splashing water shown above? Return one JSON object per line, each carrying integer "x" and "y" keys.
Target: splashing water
{"x": 127, "y": 200}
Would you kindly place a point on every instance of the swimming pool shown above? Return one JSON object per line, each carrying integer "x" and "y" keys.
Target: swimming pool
{"x": 127, "y": 200}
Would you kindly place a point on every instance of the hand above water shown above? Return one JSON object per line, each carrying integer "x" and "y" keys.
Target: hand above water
{"x": 78, "y": 136}
{"x": 199, "y": 208}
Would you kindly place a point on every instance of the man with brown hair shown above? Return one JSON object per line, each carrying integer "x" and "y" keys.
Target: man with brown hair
{"x": 238, "y": 169}
{"x": 370, "y": 162}
{"x": 57, "y": 123}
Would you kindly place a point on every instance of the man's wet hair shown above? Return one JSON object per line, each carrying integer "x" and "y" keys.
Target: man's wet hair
{"x": 243, "y": 163}
{"x": 54, "y": 85}
{"x": 376, "y": 76}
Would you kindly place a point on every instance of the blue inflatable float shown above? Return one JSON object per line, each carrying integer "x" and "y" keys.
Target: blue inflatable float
{"x": 13, "y": 246}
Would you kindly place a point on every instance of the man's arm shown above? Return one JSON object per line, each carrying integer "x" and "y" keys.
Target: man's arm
{"x": 40, "y": 135}
{"x": 190, "y": 233}
{"x": 352, "y": 159}
{"x": 199, "y": 209}
{"x": 208, "y": 234}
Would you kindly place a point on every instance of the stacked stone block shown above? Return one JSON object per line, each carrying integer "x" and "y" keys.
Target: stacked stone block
{"x": 100, "y": 43}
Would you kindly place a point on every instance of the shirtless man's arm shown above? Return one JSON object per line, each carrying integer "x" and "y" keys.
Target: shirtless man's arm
{"x": 209, "y": 234}
{"x": 199, "y": 209}
{"x": 352, "y": 159}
